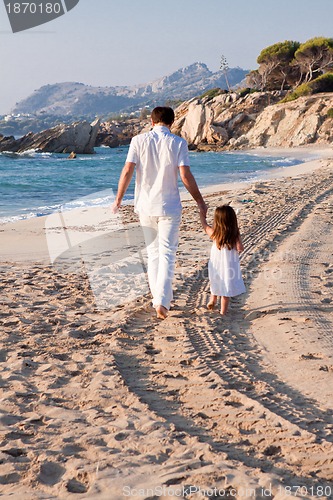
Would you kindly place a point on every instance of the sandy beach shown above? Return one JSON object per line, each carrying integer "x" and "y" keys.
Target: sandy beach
{"x": 100, "y": 400}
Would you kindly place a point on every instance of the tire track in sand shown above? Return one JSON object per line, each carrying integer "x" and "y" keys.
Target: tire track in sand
{"x": 210, "y": 381}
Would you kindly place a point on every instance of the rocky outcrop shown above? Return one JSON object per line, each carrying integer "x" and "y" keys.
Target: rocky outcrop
{"x": 226, "y": 121}
{"x": 119, "y": 133}
{"x": 297, "y": 123}
{"x": 229, "y": 121}
{"x": 79, "y": 137}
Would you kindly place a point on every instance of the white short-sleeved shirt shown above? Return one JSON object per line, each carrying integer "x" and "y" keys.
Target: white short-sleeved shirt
{"x": 157, "y": 155}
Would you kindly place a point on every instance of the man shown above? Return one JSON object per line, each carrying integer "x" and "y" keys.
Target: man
{"x": 158, "y": 155}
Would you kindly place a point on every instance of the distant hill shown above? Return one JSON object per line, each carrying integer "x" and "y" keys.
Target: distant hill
{"x": 72, "y": 99}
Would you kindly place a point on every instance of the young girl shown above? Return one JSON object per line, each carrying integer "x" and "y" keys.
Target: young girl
{"x": 223, "y": 267}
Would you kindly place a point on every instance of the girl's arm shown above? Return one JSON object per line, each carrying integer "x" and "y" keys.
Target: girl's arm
{"x": 208, "y": 229}
{"x": 239, "y": 245}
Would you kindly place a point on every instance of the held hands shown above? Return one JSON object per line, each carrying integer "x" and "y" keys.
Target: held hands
{"x": 203, "y": 208}
{"x": 203, "y": 213}
{"x": 203, "y": 219}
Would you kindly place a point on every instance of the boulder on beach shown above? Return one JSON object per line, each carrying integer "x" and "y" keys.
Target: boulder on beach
{"x": 78, "y": 137}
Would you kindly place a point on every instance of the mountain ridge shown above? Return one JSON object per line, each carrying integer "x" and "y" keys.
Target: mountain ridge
{"x": 78, "y": 99}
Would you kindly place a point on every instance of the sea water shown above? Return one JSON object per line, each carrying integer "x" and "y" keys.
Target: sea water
{"x": 34, "y": 184}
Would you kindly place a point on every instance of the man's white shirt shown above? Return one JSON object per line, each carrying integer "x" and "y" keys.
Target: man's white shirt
{"x": 157, "y": 155}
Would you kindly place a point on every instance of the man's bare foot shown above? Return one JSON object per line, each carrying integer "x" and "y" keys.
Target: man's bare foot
{"x": 161, "y": 312}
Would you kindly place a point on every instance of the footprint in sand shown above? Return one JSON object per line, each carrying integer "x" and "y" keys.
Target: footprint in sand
{"x": 71, "y": 450}
{"x": 311, "y": 355}
{"x": 50, "y": 473}
{"x": 11, "y": 478}
{"x": 3, "y": 356}
{"x": 75, "y": 486}
{"x": 121, "y": 436}
{"x": 15, "y": 452}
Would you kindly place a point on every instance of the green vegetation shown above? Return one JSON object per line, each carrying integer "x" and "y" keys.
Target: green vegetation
{"x": 173, "y": 103}
{"x": 276, "y": 67}
{"x": 315, "y": 57}
{"x": 283, "y": 51}
{"x": 323, "y": 83}
{"x": 211, "y": 93}
{"x": 291, "y": 65}
{"x": 246, "y": 91}
{"x": 302, "y": 90}
{"x": 330, "y": 113}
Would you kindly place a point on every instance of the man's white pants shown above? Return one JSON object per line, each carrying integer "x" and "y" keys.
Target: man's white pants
{"x": 161, "y": 238}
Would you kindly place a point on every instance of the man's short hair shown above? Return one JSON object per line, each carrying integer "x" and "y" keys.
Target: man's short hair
{"x": 163, "y": 114}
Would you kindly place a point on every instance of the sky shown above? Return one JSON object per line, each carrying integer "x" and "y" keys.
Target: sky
{"x": 127, "y": 42}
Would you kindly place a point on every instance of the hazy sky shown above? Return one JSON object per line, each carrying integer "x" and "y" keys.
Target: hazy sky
{"x": 124, "y": 42}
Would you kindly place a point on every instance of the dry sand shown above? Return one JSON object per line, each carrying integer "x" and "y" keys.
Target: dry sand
{"x": 100, "y": 400}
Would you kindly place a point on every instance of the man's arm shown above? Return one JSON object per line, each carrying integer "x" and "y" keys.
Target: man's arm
{"x": 124, "y": 180}
{"x": 190, "y": 183}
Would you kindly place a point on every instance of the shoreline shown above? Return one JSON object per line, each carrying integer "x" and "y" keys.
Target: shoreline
{"x": 32, "y": 230}
{"x": 311, "y": 157}
{"x": 307, "y": 154}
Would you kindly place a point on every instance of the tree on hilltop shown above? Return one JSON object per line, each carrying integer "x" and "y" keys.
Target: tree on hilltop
{"x": 275, "y": 65}
{"x": 224, "y": 66}
{"x": 314, "y": 58}
{"x": 290, "y": 64}
{"x": 254, "y": 80}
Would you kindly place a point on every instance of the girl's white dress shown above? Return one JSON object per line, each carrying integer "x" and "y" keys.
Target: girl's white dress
{"x": 224, "y": 272}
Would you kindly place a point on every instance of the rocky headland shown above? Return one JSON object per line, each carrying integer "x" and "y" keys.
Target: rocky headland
{"x": 230, "y": 121}
{"x": 79, "y": 137}
{"x": 217, "y": 121}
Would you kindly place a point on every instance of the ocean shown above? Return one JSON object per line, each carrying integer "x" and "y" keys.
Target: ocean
{"x": 36, "y": 184}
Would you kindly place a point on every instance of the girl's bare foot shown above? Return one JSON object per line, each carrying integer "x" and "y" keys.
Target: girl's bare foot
{"x": 212, "y": 302}
{"x": 161, "y": 312}
{"x": 224, "y": 305}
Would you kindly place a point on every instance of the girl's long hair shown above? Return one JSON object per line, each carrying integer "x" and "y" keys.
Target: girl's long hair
{"x": 225, "y": 227}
